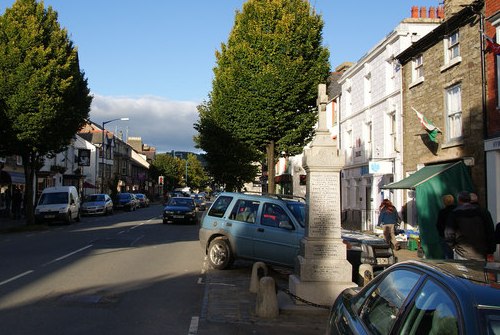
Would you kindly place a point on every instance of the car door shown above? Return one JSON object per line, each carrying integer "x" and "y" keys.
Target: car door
{"x": 241, "y": 224}
{"x": 276, "y": 235}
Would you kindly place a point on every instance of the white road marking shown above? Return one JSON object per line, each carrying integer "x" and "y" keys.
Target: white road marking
{"x": 193, "y": 326}
{"x": 16, "y": 277}
{"x": 68, "y": 255}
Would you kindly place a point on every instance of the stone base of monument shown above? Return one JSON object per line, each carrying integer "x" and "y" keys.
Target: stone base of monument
{"x": 320, "y": 281}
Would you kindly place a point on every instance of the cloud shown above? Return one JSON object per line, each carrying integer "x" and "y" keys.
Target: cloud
{"x": 166, "y": 125}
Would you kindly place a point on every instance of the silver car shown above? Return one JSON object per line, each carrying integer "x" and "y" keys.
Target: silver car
{"x": 97, "y": 204}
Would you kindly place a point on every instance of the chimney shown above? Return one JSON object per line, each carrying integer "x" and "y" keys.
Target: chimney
{"x": 414, "y": 12}
{"x": 440, "y": 12}
{"x": 432, "y": 12}
{"x": 423, "y": 12}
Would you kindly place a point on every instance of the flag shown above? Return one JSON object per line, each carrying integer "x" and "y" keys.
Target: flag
{"x": 491, "y": 45}
{"x": 432, "y": 130}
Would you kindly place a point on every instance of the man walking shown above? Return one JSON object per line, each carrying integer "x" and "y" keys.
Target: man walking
{"x": 468, "y": 231}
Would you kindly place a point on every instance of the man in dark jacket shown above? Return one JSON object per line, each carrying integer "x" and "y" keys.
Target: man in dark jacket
{"x": 469, "y": 231}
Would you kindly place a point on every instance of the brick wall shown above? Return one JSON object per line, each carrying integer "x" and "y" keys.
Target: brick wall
{"x": 428, "y": 98}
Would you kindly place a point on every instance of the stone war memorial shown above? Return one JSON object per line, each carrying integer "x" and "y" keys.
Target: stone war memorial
{"x": 321, "y": 268}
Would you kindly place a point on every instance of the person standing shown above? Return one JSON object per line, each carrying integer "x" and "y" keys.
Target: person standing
{"x": 449, "y": 206}
{"x": 17, "y": 199}
{"x": 387, "y": 219}
{"x": 469, "y": 232}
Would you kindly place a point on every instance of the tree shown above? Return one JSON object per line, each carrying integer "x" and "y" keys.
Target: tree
{"x": 197, "y": 177}
{"x": 230, "y": 161}
{"x": 265, "y": 84}
{"x": 171, "y": 168}
{"x": 42, "y": 88}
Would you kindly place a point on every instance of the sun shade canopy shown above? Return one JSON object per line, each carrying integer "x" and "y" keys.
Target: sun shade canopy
{"x": 423, "y": 175}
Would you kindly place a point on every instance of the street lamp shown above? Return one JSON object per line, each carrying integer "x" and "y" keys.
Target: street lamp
{"x": 102, "y": 148}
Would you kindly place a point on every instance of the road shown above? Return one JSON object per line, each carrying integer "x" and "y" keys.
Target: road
{"x": 121, "y": 274}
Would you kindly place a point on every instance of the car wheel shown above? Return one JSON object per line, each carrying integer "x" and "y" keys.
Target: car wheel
{"x": 219, "y": 254}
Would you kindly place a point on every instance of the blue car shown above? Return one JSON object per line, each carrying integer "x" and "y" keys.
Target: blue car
{"x": 269, "y": 228}
{"x": 181, "y": 210}
{"x": 422, "y": 297}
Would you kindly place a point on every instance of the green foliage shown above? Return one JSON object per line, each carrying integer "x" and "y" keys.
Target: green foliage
{"x": 265, "y": 84}
{"x": 171, "y": 168}
{"x": 44, "y": 96}
{"x": 197, "y": 177}
{"x": 42, "y": 85}
{"x": 229, "y": 160}
{"x": 267, "y": 75}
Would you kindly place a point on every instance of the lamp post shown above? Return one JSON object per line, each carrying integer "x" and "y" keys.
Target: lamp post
{"x": 102, "y": 148}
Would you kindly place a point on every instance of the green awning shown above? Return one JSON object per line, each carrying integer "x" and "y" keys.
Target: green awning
{"x": 421, "y": 176}
{"x": 430, "y": 184}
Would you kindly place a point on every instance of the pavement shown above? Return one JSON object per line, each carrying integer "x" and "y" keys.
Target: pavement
{"x": 229, "y": 304}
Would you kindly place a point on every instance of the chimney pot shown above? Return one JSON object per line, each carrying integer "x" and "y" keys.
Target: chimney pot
{"x": 414, "y": 12}
{"x": 440, "y": 12}
{"x": 423, "y": 12}
{"x": 432, "y": 12}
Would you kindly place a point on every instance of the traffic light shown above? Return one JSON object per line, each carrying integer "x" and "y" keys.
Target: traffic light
{"x": 160, "y": 180}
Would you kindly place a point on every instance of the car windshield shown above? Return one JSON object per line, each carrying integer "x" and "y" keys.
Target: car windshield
{"x": 180, "y": 202}
{"x": 123, "y": 196}
{"x": 140, "y": 196}
{"x": 95, "y": 197}
{"x": 53, "y": 198}
{"x": 298, "y": 210}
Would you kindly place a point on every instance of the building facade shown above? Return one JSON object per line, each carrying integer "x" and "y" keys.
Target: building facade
{"x": 370, "y": 121}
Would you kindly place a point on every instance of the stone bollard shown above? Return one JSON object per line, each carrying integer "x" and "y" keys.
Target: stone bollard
{"x": 267, "y": 300}
{"x": 259, "y": 270}
{"x": 366, "y": 272}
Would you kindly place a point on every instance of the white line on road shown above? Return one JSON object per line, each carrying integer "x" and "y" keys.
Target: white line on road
{"x": 16, "y": 277}
{"x": 193, "y": 326}
{"x": 68, "y": 255}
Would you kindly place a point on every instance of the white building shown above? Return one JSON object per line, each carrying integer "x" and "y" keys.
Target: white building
{"x": 370, "y": 124}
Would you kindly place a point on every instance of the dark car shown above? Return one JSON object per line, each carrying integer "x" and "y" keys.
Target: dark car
{"x": 422, "y": 297}
{"x": 180, "y": 209}
{"x": 199, "y": 201}
{"x": 142, "y": 199}
{"x": 96, "y": 204}
{"x": 126, "y": 201}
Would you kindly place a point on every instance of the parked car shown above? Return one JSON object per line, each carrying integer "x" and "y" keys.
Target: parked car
{"x": 199, "y": 201}
{"x": 180, "y": 209}
{"x": 58, "y": 204}
{"x": 142, "y": 199}
{"x": 421, "y": 297}
{"x": 97, "y": 204}
{"x": 126, "y": 201}
{"x": 227, "y": 233}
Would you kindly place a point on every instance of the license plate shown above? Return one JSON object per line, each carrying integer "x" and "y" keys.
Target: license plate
{"x": 178, "y": 216}
{"x": 49, "y": 216}
{"x": 382, "y": 261}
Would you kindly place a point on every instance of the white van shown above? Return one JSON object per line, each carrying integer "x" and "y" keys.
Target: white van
{"x": 58, "y": 204}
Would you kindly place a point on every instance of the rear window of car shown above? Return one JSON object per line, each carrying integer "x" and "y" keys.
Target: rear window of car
{"x": 220, "y": 206}
{"x": 180, "y": 202}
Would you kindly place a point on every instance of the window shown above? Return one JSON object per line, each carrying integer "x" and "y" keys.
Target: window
{"x": 418, "y": 68}
{"x": 453, "y": 48}
{"x": 382, "y": 305}
{"x": 453, "y": 113}
{"x": 393, "y": 131}
{"x": 220, "y": 206}
{"x": 432, "y": 313}
{"x": 245, "y": 211}
{"x": 368, "y": 89}
{"x": 274, "y": 216}
{"x": 368, "y": 139}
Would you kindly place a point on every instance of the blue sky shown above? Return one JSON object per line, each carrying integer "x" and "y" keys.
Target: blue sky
{"x": 152, "y": 60}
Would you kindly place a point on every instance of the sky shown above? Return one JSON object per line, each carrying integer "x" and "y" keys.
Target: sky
{"x": 152, "y": 60}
